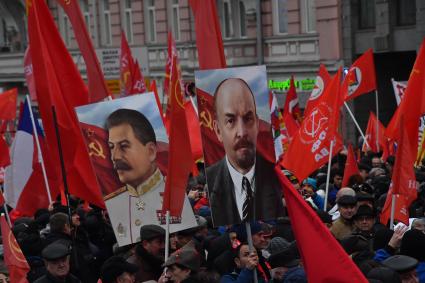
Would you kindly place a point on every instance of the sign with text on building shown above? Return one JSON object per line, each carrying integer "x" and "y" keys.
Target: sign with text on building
{"x": 304, "y": 84}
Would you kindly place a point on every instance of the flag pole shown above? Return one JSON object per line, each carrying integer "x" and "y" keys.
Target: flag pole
{"x": 392, "y": 211}
{"x": 39, "y": 153}
{"x": 167, "y": 235}
{"x": 357, "y": 124}
{"x": 328, "y": 176}
{"x": 377, "y": 120}
{"x": 251, "y": 246}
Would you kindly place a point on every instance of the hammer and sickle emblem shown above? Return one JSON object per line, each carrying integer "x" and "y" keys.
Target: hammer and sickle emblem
{"x": 178, "y": 93}
{"x": 15, "y": 249}
{"x": 67, "y": 2}
{"x": 206, "y": 119}
{"x": 96, "y": 149}
{"x": 126, "y": 75}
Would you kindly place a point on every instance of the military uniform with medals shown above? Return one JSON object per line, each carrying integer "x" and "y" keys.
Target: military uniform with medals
{"x": 129, "y": 208}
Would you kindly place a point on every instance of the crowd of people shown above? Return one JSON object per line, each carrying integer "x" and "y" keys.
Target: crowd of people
{"x": 81, "y": 247}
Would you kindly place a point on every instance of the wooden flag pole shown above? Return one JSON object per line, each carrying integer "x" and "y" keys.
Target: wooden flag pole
{"x": 251, "y": 246}
{"x": 40, "y": 155}
{"x": 357, "y": 124}
{"x": 328, "y": 176}
{"x": 393, "y": 200}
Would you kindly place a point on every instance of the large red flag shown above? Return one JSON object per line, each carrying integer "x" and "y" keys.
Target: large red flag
{"x": 194, "y": 130}
{"x": 412, "y": 106}
{"x": 350, "y": 166}
{"x": 97, "y": 86}
{"x": 403, "y": 183}
{"x": 322, "y": 81}
{"x": 310, "y": 147}
{"x": 8, "y": 104}
{"x": 29, "y": 77}
{"x": 307, "y": 226}
{"x": 59, "y": 84}
{"x": 360, "y": 78}
{"x": 13, "y": 256}
{"x": 291, "y": 102}
{"x": 4, "y": 152}
{"x": 208, "y": 35}
{"x": 374, "y": 137}
{"x": 179, "y": 165}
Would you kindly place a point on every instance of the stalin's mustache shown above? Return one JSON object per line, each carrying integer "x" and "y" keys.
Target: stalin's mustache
{"x": 121, "y": 165}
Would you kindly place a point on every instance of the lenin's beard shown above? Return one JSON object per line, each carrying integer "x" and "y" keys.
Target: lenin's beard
{"x": 245, "y": 153}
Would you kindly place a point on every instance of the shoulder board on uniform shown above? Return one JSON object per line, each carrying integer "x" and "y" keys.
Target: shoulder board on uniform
{"x": 114, "y": 194}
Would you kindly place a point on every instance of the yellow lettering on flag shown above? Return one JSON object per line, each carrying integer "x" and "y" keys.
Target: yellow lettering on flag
{"x": 113, "y": 86}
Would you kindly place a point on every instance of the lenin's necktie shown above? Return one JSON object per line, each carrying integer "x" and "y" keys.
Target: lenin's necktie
{"x": 247, "y": 212}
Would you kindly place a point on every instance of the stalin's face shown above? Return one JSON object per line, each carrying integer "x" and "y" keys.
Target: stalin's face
{"x": 134, "y": 161}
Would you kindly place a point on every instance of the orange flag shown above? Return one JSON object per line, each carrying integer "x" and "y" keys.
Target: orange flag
{"x": 350, "y": 166}
{"x": 307, "y": 226}
{"x": 412, "y": 106}
{"x": 291, "y": 102}
{"x": 403, "y": 183}
{"x": 179, "y": 165}
{"x": 360, "y": 78}
{"x": 13, "y": 256}
{"x": 322, "y": 81}
{"x": 97, "y": 86}
{"x": 59, "y": 84}
{"x": 208, "y": 35}
{"x": 8, "y": 104}
{"x": 310, "y": 147}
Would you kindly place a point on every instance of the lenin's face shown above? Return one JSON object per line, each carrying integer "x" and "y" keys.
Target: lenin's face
{"x": 236, "y": 123}
{"x": 133, "y": 161}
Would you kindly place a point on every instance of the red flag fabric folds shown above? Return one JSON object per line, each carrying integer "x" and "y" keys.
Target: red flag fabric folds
{"x": 59, "y": 84}
{"x": 360, "y": 78}
{"x": 375, "y": 136}
{"x": 8, "y": 104}
{"x": 97, "y": 86}
{"x": 314, "y": 238}
{"x": 29, "y": 76}
{"x": 4, "y": 152}
{"x": 310, "y": 147}
{"x": 208, "y": 35}
{"x": 350, "y": 166}
{"x": 14, "y": 258}
{"x": 412, "y": 106}
{"x": 322, "y": 81}
{"x": 291, "y": 102}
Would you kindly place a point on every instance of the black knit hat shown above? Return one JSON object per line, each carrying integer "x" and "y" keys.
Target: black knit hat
{"x": 114, "y": 267}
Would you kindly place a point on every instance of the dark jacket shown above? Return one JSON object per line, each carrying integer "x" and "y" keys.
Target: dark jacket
{"x": 50, "y": 279}
{"x": 150, "y": 267}
{"x": 268, "y": 197}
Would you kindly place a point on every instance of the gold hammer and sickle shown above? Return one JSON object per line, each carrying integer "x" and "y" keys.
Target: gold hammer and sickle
{"x": 176, "y": 93}
{"x": 206, "y": 119}
{"x": 96, "y": 149}
{"x": 67, "y": 2}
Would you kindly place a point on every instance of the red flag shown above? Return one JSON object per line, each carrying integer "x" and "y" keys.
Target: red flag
{"x": 158, "y": 102}
{"x": 360, "y": 78}
{"x": 97, "y": 86}
{"x": 412, "y": 105}
{"x": 208, "y": 35}
{"x": 59, "y": 84}
{"x": 350, "y": 166}
{"x": 310, "y": 148}
{"x": 307, "y": 226}
{"x": 29, "y": 77}
{"x": 322, "y": 81}
{"x": 291, "y": 102}
{"x": 131, "y": 78}
{"x": 4, "y": 152}
{"x": 179, "y": 166}
{"x": 14, "y": 258}
{"x": 194, "y": 130}
{"x": 374, "y": 137}
{"x": 403, "y": 183}
{"x": 171, "y": 49}
{"x": 8, "y": 104}
{"x": 2, "y": 200}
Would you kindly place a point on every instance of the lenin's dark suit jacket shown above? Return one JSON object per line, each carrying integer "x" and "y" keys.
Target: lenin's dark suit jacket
{"x": 268, "y": 196}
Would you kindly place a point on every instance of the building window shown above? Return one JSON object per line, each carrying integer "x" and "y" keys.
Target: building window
{"x": 366, "y": 14}
{"x": 406, "y": 12}
{"x": 151, "y": 21}
{"x": 107, "y": 35}
{"x": 242, "y": 20}
{"x": 128, "y": 21}
{"x": 85, "y": 8}
{"x": 227, "y": 19}
{"x": 66, "y": 30}
{"x": 280, "y": 16}
{"x": 308, "y": 15}
{"x": 175, "y": 19}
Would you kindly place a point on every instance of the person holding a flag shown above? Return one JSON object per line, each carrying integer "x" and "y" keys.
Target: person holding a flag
{"x": 242, "y": 186}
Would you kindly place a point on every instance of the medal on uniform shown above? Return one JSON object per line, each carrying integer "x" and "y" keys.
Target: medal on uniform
{"x": 138, "y": 222}
{"x": 140, "y": 205}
